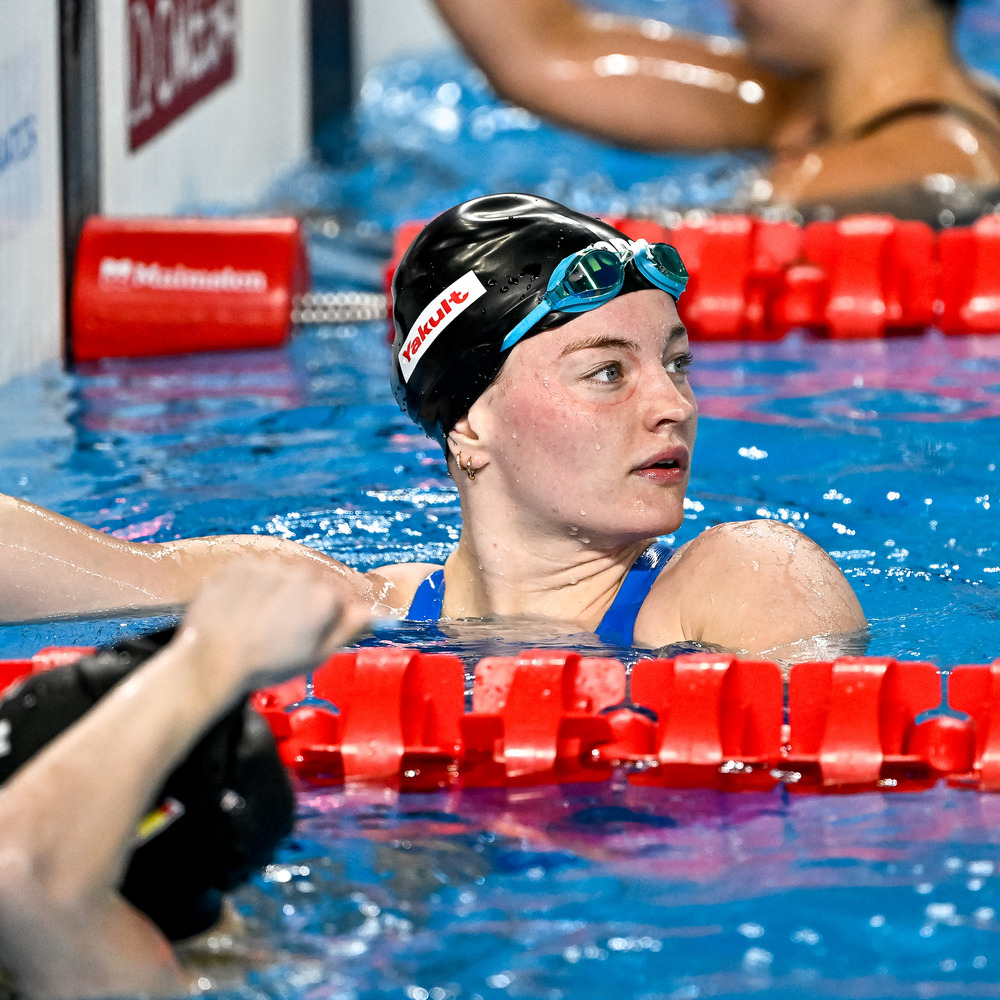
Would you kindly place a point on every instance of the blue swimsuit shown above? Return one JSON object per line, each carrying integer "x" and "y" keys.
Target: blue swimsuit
{"x": 616, "y": 626}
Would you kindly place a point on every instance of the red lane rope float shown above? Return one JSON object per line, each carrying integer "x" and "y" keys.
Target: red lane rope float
{"x": 147, "y": 286}
{"x": 860, "y": 276}
{"x": 386, "y": 715}
{"x": 397, "y": 717}
{"x": 44, "y": 659}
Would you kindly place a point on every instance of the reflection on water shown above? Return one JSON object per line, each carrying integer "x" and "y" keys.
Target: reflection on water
{"x": 572, "y": 891}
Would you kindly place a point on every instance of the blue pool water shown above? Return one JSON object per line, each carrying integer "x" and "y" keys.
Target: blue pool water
{"x": 884, "y": 452}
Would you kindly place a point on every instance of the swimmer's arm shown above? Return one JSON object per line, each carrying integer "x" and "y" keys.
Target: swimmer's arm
{"x": 760, "y": 587}
{"x": 67, "y": 817}
{"x": 610, "y": 78}
{"x": 53, "y": 565}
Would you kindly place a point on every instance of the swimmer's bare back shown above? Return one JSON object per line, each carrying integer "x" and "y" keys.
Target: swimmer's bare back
{"x": 802, "y": 84}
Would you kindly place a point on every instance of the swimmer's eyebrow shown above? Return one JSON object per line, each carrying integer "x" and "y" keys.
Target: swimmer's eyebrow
{"x": 598, "y": 342}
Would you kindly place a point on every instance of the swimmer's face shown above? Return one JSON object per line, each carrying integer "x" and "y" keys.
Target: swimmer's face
{"x": 590, "y": 426}
{"x": 793, "y": 35}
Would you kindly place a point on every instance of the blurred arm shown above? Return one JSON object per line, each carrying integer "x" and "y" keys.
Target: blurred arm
{"x": 638, "y": 83}
{"x": 68, "y": 816}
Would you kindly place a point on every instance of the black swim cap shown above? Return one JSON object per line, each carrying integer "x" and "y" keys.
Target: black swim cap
{"x": 236, "y": 796}
{"x": 465, "y": 282}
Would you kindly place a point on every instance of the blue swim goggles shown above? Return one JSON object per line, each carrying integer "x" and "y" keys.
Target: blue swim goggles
{"x": 590, "y": 277}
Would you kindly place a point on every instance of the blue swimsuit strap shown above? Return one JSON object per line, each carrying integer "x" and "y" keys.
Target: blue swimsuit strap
{"x": 616, "y": 626}
{"x": 427, "y": 601}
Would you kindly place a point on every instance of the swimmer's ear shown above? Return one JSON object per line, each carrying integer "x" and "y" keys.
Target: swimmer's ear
{"x": 467, "y": 446}
{"x": 464, "y": 436}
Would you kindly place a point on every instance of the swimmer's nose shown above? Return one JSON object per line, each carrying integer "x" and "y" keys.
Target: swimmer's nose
{"x": 669, "y": 400}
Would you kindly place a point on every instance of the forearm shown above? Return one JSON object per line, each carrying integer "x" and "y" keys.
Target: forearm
{"x": 638, "y": 83}
{"x": 52, "y": 565}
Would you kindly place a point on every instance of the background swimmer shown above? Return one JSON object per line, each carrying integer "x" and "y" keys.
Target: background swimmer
{"x": 570, "y": 448}
{"x": 863, "y": 104}
{"x": 68, "y": 817}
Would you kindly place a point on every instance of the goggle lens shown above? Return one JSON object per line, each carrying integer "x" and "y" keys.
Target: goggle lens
{"x": 597, "y": 271}
{"x": 667, "y": 261}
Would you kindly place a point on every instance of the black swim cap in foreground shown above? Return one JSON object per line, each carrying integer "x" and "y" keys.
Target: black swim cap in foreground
{"x": 236, "y": 796}
{"x": 469, "y": 277}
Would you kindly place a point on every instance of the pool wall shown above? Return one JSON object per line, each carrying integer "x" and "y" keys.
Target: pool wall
{"x": 30, "y": 220}
{"x": 384, "y": 30}
{"x": 165, "y": 107}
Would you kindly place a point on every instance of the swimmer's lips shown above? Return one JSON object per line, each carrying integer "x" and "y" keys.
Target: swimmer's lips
{"x": 667, "y": 467}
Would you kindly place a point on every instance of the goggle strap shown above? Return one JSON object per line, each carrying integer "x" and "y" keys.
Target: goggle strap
{"x": 542, "y": 309}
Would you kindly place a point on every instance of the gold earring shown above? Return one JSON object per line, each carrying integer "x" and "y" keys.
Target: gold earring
{"x": 467, "y": 466}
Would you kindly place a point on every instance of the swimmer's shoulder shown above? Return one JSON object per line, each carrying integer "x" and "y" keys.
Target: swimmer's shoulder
{"x": 396, "y": 583}
{"x": 748, "y": 585}
{"x": 864, "y": 170}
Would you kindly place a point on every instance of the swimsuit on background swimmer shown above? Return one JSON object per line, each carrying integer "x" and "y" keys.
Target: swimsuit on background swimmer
{"x": 617, "y": 625}
{"x": 960, "y": 204}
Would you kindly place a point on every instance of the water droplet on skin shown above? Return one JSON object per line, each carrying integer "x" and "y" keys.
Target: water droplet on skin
{"x": 583, "y": 513}
{"x": 598, "y": 447}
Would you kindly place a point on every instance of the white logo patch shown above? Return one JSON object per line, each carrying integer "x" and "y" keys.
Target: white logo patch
{"x": 5, "y": 747}
{"x": 452, "y": 302}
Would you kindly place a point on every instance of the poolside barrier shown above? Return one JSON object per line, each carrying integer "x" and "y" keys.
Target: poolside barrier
{"x": 398, "y": 717}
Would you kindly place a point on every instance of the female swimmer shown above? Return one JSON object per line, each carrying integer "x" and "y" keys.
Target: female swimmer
{"x": 863, "y": 104}
{"x": 543, "y": 350}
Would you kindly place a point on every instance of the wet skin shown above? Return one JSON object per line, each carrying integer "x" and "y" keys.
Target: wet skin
{"x": 591, "y": 425}
{"x": 810, "y": 75}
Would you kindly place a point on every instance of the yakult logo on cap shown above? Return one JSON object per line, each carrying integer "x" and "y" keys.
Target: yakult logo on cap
{"x": 452, "y": 302}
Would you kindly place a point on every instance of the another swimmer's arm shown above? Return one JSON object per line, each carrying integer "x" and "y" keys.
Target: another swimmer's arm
{"x": 761, "y": 586}
{"x": 51, "y": 565}
{"x": 67, "y": 818}
{"x": 635, "y": 82}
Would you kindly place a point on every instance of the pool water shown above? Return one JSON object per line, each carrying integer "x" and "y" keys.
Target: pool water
{"x": 883, "y": 451}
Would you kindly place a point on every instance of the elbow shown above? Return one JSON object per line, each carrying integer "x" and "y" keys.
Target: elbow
{"x": 19, "y": 877}
{"x": 32, "y": 880}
